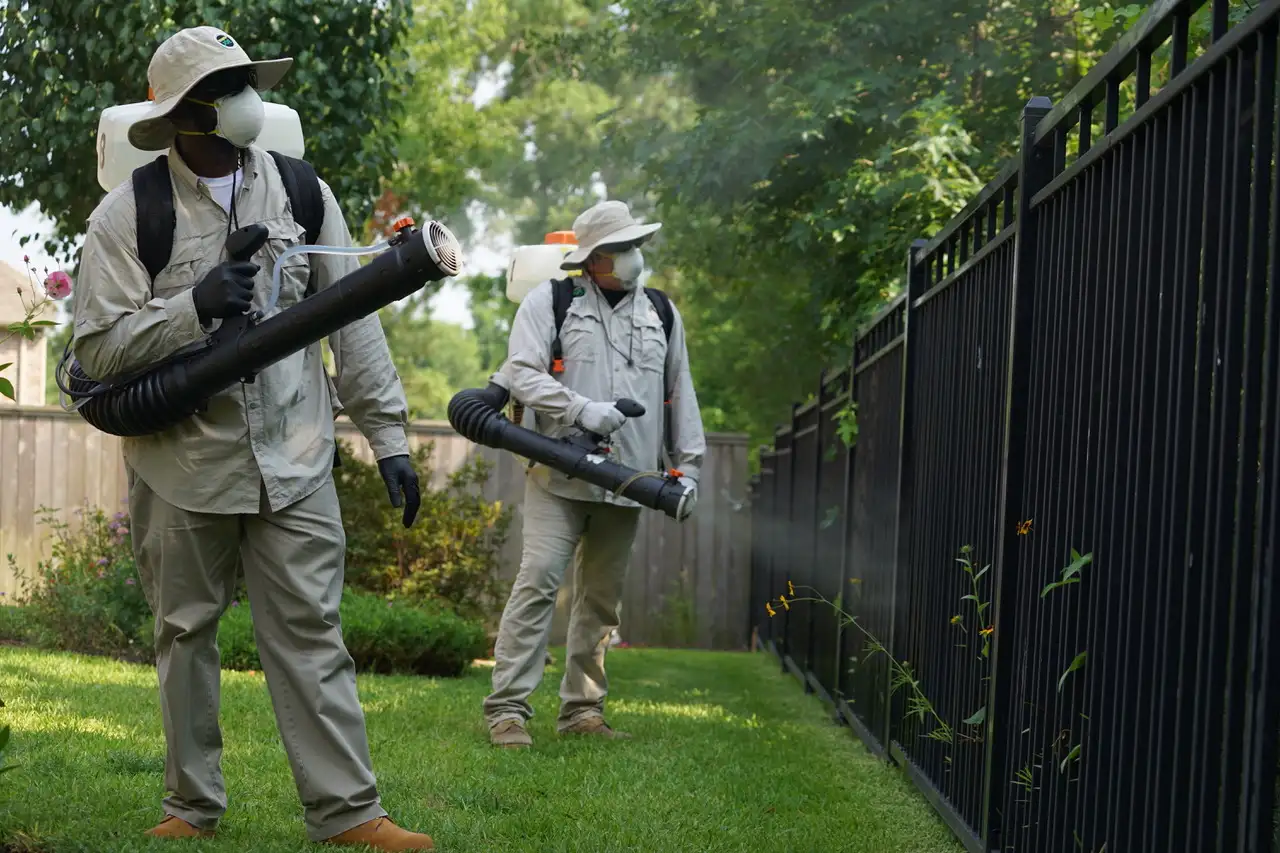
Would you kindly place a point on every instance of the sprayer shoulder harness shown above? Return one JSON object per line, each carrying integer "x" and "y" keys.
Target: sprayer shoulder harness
{"x": 156, "y": 218}
{"x": 562, "y": 295}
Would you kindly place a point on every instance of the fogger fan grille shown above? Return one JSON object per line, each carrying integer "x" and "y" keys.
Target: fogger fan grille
{"x": 447, "y": 249}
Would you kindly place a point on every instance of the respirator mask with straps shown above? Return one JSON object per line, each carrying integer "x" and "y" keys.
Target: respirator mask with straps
{"x": 233, "y": 96}
{"x": 240, "y": 117}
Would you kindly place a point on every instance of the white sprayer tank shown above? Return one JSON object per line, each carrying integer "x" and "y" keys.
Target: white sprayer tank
{"x": 117, "y": 158}
{"x": 531, "y": 265}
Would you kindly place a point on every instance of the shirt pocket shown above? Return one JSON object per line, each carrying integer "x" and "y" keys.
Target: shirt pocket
{"x": 653, "y": 345}
{"x": 189, "y": 261}
{"x": 579, "y": 340}
{"x": 295, "y": 272}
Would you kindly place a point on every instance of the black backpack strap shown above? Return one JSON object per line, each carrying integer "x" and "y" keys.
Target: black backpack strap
{"x": 561, "y": 296}
{"x": 156, "y": 219}
{"x": 662, "y": 303}
{"x": 302, "y": 185}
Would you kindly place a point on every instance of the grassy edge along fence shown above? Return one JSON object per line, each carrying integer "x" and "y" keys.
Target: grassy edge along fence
{"x": 1040, "y": 577}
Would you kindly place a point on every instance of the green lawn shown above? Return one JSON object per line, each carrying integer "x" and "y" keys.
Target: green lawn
{"x": 729, "y": 755}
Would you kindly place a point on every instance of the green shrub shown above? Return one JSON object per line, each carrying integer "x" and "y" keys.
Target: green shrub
{"x": 383, "y": 636}
{"x": 87, "y": 597}
{"x": 15, "y": 624}
{"x": 451, "y": 554}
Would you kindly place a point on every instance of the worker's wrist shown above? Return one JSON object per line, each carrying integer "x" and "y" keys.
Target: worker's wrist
{"x": 390, "y": 440}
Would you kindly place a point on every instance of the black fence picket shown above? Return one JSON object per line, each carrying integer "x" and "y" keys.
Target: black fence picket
{"x": 1058, "y": 507}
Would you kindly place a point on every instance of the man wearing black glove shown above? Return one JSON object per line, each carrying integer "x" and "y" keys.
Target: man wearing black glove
{"x": 227, "y": 290}
{"x": 248, "y": 481}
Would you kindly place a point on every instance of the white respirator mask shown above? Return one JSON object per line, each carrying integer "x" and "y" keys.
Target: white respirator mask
{"x": 240, "y": 117}
{"x": 627, "y": 267}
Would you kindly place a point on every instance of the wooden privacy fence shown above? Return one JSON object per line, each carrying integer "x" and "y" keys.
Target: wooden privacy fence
{"x": 686, "y": 586}
{"x": 1077, "y": 396}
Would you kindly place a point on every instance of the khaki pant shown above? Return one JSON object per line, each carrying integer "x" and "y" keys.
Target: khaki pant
{"x": 293, "y": 566}
{"x": 553, "y": 529}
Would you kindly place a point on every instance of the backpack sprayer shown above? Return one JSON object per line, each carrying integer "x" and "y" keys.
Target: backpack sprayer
{"x": 477, "y": 413}
{"x": 160, "y": 396}
{"x": 163, "y": 395}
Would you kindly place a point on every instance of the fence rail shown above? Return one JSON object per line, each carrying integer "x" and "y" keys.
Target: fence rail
{"x": 1076, "y": 397}
{"x": 686, "y": 585}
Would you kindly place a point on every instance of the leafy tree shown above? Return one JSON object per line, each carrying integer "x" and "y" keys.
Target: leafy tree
{"x": 62, "y": 63}
{"x": 434, "y": 358}
{"x": 491, "y": 314}
{"x": 801, "y": 148}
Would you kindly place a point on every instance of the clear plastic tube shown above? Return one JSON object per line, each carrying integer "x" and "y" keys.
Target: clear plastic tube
{"x": 319, "y": 250}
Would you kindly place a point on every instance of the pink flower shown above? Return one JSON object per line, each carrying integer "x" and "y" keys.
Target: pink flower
{"x": 57, "y": 285}
{"x": 129, "y": 581}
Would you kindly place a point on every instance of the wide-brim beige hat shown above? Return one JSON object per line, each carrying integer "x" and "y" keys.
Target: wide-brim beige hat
{"x": 608, "y": 223}
{"x": 182, "y": 61}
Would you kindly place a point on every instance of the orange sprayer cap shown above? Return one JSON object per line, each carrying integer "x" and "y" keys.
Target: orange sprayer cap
{"x": 564, "y": 238}
{"x": 402, "y": 222}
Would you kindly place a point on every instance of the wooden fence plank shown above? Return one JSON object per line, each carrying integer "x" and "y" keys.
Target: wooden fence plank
{"x": 52, "y": 458}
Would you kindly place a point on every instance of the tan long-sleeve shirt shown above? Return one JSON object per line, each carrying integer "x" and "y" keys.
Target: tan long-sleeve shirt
{"x": 609, "y": 354}
{"x": 276, "y": 431}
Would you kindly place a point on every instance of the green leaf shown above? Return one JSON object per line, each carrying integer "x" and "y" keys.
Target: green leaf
{"x": 972, "y": 598}
{"x": 4, "y": 737}
{"x": 978, "y": 717}
{"x": 979, "y": 575}
{"x": 1056, "y": 585}
{"x": 1076, "y": 664}
{"x": 43, "y": 323}
{"x": 2, "y": 367}
{"x": 6, "y": 388}
{"x": 6, "y": 768}
{"x": 1071, "y": 756}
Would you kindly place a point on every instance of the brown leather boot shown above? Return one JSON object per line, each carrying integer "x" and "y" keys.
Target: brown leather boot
{"x": 510, "y": 734}
{"x": 381, "y": 834}
{"x": 176, "y": 827}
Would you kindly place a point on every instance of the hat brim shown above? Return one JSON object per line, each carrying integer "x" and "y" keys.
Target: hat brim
{"x": 625, "y": 235}
{"x": 155, "y": 132}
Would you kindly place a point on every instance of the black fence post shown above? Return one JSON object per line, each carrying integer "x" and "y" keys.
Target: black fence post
{"x": 1035, "y": 172}
{"x": 917, "y": 285}
{"x": 789, "y": 532}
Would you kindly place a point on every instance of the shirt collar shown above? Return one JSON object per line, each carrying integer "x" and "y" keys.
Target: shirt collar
{"x": 180, "y": 170}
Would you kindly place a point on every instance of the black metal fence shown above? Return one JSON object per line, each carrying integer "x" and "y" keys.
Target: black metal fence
{"x": 1059, "y": 513}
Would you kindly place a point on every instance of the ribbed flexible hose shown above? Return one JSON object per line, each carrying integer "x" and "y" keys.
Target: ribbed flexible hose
{"x": 178, "y": 388}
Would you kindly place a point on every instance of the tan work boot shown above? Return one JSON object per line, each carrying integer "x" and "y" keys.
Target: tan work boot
{"x": 381, "y": 834}
{"x": 594, "y": 725}
{"x": 510, "y": 734}
{"x": 176, "y": 827}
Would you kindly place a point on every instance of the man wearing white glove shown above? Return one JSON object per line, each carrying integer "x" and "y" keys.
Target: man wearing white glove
{"x": 616, "y": 339}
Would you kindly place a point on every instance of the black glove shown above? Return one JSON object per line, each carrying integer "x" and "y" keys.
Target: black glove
{"x": 227, "y": 290}
{"x": 399, "y": 475}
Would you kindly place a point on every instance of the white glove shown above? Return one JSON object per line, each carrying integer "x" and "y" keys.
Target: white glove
{"x": 691, "y": 500}
{"x": 601, "y": 418}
